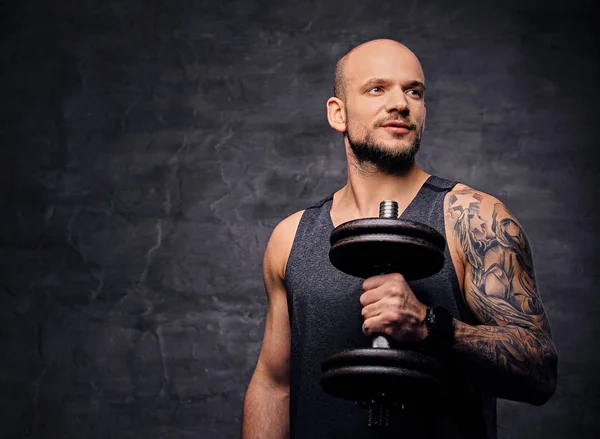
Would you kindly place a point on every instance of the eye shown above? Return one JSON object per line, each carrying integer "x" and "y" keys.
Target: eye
{"x": 375, "y": 89}
{"x": 415, "y": 92}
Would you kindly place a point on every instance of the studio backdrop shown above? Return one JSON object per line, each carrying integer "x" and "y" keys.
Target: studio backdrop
{"x": 148, "y": 148}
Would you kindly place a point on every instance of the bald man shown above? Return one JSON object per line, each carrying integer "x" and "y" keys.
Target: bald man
{"x": 499, "y": 342}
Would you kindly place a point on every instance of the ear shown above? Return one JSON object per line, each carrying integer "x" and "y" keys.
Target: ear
{"x": 336, "y": 114}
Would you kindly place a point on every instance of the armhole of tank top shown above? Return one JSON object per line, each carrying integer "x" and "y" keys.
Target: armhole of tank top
{"x": 461, "y": 303}
{"x": 294, "y": 244}
{"x": 303, "y": 219}
{"x": 288, "y": 297}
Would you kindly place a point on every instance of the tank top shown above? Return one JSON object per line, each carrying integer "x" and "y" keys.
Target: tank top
{"x": 325, "y": 318}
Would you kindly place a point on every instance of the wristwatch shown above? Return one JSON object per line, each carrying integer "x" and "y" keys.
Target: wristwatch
{"x": 440, "y": 326}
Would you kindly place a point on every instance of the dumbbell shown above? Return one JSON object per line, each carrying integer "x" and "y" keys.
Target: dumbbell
{"x": 387, "y": 373}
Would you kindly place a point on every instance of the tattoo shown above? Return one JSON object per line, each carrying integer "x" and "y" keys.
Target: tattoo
{"x": 500, "y": 288}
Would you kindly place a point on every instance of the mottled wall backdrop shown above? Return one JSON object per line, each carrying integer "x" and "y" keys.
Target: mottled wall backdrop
{"x": 148, "y": 148}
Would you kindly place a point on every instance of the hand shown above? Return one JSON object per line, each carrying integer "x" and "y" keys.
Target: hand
{"x": 390, "y": 307}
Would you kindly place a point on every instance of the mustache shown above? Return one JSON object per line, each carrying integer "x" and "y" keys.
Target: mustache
{"x": 411, "y": 124}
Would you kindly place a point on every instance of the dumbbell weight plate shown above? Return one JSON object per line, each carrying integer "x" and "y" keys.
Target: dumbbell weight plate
{"x": 384, "y": 357}
{"x": 359, "y": 374}
{"x": 371, "y": 246}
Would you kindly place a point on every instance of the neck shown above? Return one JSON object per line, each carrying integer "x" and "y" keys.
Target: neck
{"x": 367, "y": 186}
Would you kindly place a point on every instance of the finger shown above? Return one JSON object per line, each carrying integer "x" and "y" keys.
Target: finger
{"x": 371, "y": 310}
{"x": 366, "y": 327}
{"x": 373, "y": 282}
{"x": 376, "y": 281}
{"x": 376, "y": 325}
{"x": 371, "y": 296}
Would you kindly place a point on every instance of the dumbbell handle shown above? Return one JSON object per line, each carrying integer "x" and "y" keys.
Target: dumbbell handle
{"x": 380, "y": 341}
{"x": 387, "y": 209}
{"x": 378, "y": 410}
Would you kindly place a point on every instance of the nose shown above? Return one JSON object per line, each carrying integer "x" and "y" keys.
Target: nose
{"x": 397, "y": 101}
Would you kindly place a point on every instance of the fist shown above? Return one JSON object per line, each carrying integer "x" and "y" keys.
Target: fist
{"x": 390, "y": 307}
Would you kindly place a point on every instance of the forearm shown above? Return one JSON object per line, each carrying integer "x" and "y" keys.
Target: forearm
{"x": 508, "y": 361}
{"x": 266, "y": 410}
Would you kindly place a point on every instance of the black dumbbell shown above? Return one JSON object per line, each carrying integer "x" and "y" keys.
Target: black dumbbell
{"x": 387, "y": 372}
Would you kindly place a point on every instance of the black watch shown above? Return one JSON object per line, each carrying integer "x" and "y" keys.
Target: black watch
{"x": 440, "y": 326}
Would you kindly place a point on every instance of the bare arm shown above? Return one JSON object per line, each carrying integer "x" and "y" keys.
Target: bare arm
{"x": 511, "y": 353}
{"x": 266, "y": 406}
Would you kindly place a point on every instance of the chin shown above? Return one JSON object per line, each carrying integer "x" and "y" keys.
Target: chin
{"x": 396, "y": 145}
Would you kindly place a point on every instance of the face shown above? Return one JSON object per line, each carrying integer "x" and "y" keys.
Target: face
{"x": 384, "y": 108}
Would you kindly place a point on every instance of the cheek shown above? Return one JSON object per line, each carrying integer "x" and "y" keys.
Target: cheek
{"x": 357, "y": 130}
{"x": 419, "y": 114}
{"x": 359, "y": 122}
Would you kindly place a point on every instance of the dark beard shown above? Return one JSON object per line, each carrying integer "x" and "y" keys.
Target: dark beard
{"x": 388, "y": 162}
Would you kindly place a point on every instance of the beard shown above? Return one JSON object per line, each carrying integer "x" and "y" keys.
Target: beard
{"x": 379, "y": 155}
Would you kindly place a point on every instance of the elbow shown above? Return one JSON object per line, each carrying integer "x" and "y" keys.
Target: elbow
{"x": 541, "y": 397}
{"x": 273, "y": 382}
{"x": 546, "y": 386}
{"x": 544, "y": 395}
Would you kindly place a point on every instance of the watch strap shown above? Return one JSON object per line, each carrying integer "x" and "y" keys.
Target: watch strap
{"x": 440, "y": 326}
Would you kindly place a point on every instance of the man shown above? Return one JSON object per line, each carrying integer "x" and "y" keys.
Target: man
{"x": 500, "y": 345}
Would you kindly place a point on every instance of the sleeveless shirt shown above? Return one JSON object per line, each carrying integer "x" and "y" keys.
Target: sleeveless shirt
{"x": 325, "y": 318}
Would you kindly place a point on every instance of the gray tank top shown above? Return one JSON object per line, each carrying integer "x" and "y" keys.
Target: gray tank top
{"x": 325, "y": 318}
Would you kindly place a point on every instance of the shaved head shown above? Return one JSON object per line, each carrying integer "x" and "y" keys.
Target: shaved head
{"x": 360, "y": 54}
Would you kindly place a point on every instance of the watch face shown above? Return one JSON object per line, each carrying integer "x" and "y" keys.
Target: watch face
{"x": 443, "y": 322}
{"x": 429, "y": 318}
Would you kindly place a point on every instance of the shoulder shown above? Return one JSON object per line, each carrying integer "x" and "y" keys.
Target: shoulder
{"x": 283, "y": 234}
{"x": 463, "y": 202}
{"x": 463, "y": 197}
{"x": 280, "y": 244}
{"x": 478, "y": 221}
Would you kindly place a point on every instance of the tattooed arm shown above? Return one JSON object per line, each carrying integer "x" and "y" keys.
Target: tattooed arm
{"x": 510, "y": 354}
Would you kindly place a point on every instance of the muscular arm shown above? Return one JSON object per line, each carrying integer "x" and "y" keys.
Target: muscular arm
{"x": 266, "y": 406}
{"x": 510, "y": 353}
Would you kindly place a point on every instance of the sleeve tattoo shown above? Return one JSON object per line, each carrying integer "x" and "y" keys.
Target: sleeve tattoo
{"x": 513, "y": 345}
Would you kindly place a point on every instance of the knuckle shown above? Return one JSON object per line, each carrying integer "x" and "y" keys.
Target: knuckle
{"x": 397, "y": 302}
{"x": 394, "y": 289}
{"x": 397, "y": 277}
{"x": 390, "y": 316}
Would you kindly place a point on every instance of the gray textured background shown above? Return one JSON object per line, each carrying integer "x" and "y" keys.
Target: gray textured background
{"x": 148, "y": 149}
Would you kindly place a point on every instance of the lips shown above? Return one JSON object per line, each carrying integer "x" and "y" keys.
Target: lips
{"x": 396, "y": 124}
{"x": 397, "y": 127}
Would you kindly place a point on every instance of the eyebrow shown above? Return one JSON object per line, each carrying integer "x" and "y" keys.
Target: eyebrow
{"x": 378, "y": 81}
{"x": 417, "y": 84}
